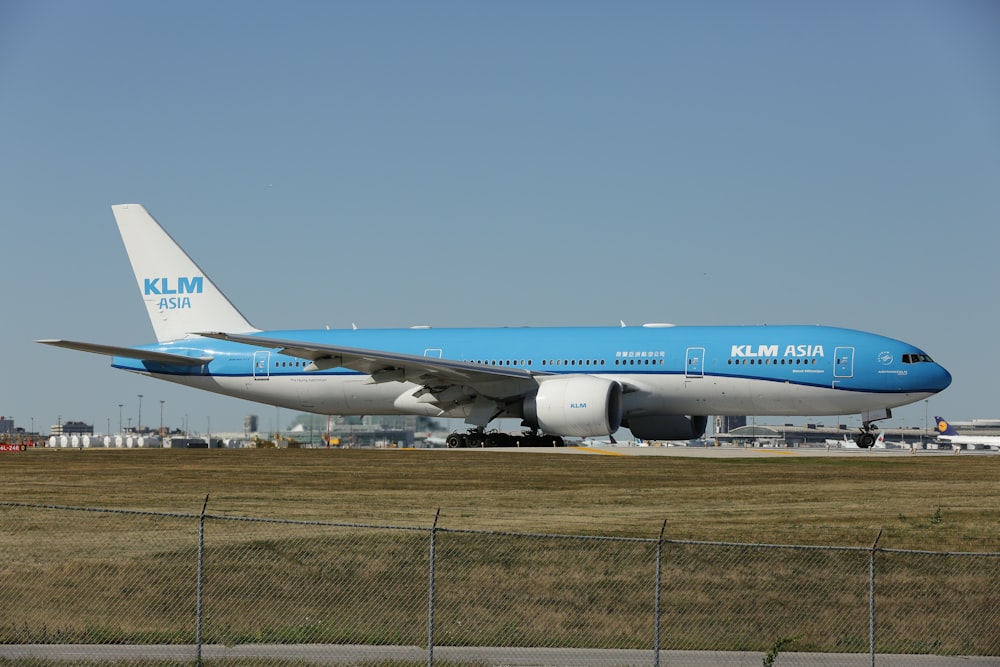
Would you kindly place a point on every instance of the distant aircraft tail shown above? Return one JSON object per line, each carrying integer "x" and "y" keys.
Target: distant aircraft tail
{"x": 180, "y": 299}
{"x": 879, "y": 441}
{"x": 944, "y": 428}
{"x": 845, "y": 443}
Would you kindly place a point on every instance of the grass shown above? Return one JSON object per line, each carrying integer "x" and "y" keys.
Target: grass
{"x": 282, "y": 583}
{"x": 924, "y": 503}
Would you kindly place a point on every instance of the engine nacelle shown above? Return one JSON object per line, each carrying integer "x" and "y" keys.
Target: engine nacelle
{"x": 668, "y": 427}
{"x": 578, "y": 405}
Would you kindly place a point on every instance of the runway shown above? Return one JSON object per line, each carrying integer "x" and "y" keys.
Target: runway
{"x": 730, "y": 452}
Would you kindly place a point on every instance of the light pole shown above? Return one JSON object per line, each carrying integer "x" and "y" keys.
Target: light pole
{"x": 120, "y": 417}
{"x": 138, "y": 424}
{"x": 161, "y": 417}
{"x": 924, "y": 434}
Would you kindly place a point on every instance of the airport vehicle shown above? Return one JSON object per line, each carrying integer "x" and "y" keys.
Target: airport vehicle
{"x": 659, "y": 381}
{"x": 947, "y": 433}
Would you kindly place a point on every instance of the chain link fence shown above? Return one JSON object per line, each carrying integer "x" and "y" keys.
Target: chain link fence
{"x": 148, "y": 588}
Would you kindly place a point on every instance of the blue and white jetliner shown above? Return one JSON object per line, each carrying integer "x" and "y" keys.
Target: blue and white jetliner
{"x": 659, "y": 381}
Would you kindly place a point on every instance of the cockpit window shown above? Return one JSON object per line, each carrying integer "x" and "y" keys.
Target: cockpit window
{"x": 917, "y": 359}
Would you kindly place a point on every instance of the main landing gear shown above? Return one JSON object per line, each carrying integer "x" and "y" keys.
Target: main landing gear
{"x": 480, "y": 438}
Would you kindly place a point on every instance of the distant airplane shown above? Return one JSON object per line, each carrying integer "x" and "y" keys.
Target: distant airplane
{"x": 659, "y": 381}
{"x": 846, "y": 442}
{"x": 947, "y": 433}
{"x": 607, "y": 441}
{"x": 900, "y": 444}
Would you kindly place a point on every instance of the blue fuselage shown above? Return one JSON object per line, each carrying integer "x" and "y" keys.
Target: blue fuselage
{"x": 763, "y": 370}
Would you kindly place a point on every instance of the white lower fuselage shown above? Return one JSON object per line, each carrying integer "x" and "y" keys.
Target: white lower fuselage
{"x": 355, "y": 394}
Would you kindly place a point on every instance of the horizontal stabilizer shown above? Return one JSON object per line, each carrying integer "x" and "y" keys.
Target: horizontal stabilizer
{"x": 128, "y": 352}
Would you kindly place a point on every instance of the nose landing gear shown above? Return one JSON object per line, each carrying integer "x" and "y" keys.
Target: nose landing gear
{"x": 866, "y": 438}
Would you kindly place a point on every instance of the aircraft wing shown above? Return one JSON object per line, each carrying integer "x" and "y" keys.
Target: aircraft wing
{"x": 434, "y": 373}
{"x": 128, "y": 352}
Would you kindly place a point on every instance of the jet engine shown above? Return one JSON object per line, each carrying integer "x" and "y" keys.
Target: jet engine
{"x": 667, "y": 427}
{"x": 577, "y": 405}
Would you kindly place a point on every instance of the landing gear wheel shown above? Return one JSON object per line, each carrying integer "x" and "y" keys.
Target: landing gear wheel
{"x": 497, "y": 439}
{"x": 865, "y": 440}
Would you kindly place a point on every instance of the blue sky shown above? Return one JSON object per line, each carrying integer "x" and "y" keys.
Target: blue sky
{"x": 514, "y": 163}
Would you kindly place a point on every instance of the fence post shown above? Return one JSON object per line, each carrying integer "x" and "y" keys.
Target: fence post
{"x": 656, "y": 611}
{"x": 430, "y": 595}
{"x": 201, "y": 573}
{"x": 871, "y": 598}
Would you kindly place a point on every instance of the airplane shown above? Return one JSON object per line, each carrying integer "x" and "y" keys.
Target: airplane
{"x": 901, "y": 444}
{"x": 847, "y": 443}
{"x": 607, "y": 441}
{"x": 833, "y": 442}
{"x": 659, "y": 381}
{"x": 947, "y": 433}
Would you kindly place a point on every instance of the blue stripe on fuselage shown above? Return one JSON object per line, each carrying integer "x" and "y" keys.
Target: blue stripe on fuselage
{"x": 803, "y": 355}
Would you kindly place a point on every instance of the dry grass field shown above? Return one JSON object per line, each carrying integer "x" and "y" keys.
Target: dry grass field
{"x": 936, "y": 503}
{"x": 299, "y": 583}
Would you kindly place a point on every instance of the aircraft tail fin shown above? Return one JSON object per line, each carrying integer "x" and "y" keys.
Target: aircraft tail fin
{"x": 944, "y": 428}
{"x": 879, "y": 441}
{"x": 180, "y": 299}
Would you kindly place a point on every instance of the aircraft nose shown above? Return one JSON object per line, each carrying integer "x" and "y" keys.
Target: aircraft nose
{"x": 940, "y": 378}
